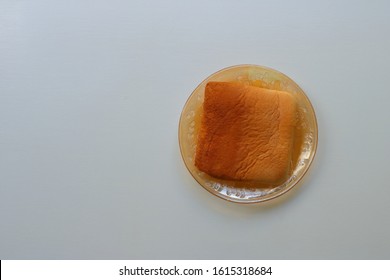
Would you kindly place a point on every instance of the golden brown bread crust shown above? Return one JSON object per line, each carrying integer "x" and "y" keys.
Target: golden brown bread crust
{"x": 246, "y": 132}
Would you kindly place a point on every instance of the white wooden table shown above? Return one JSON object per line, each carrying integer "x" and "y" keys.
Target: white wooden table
{"x": 90, "y": 98}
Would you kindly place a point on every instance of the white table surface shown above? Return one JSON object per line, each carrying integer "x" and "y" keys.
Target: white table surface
{"x": 90, "y": 98}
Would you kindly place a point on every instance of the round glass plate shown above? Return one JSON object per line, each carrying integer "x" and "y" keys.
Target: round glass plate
{"x": 305, "y": 141}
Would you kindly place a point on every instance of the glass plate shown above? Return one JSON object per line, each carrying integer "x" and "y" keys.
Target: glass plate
{"x": 306, "y": 135}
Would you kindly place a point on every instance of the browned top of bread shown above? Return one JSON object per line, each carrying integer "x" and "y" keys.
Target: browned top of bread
{"x": 246, "y": 132}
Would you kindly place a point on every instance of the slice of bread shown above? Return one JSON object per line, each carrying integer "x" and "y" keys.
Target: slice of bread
{"x": 246, "y": 133}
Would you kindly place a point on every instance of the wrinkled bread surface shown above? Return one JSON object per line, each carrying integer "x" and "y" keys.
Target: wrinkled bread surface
{"x": 246, "y": 132}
